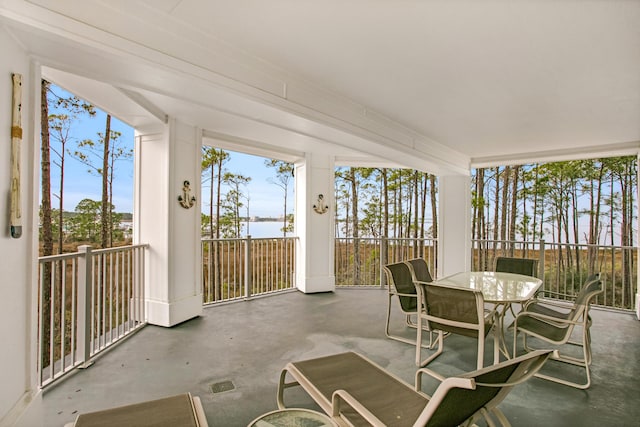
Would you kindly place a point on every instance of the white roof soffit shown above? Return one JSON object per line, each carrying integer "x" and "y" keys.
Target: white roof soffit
{"x": 258, "y": 92}
{"x": 429, "y": 85}
{"x": 594, "y": 152}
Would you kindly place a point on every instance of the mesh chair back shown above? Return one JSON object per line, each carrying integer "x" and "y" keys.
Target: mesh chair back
{"x": 592, "y": 287}
{"x": 399, "y": 276}
{"x": 526, "y": 266}
{"x": 447, "y": 308}
{"x": 492, "y": 385}
{"x": 420, "y": 270}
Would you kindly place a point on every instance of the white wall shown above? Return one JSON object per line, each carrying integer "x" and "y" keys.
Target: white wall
{"x": 19, "y": 402}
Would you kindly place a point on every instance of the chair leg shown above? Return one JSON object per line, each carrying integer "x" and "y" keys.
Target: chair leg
{"x": 501, "y": 417}
{"x": 282, "y": 386}
{"x": 480, "y": 352}
{"x": 581, "y": 386}
{"x": 422, "y": 363}
{"x": 388, "y": 334}
{"x": 582, "y": 363}
{"x": 497, "y": 341}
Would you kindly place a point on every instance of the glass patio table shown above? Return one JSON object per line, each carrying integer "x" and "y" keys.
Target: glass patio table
{"x": 292, "y": 417}
{"x": 500, "y": 288}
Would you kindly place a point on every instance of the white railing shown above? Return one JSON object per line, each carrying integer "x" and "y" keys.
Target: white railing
{"x": 227, "y": 275}
{"x": 565, "y": 266}
{"x": 358, "y": 262}
{"x": 88, "y": 300}
{"x": 239, "y": 268}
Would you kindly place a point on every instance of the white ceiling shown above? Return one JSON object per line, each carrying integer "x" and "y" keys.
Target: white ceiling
{"x": 453, "y": 82}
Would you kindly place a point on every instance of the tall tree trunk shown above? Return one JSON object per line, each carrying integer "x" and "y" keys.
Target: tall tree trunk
{"x": 218, "y": 247}
{"x": 110, "y": 203}
{"x": 496, "y": 216}
{"x": 480, "y": 231}
{"x": 504, "y": 209}
{"x": 514, "y": 206}
{"x": 385, "y": 213}
{"x": 626, "y": 232}
{"x": 423, "y": 211}
{"x": 356, "y": 231}
{"x": 45, "y": 163}
{"x": 104, "y": 216}
{"x": 415, "y": 211}
{"x": 61, "y": 204}
{"x": 596, "y": 221}
{"x": 575, "y": 226}
{"x": 537, "y": 205}
{"x": 212, "y": 169}
{"x": 47, "y": 234}
{"x": 434, "y": 206}
{"x": 396, "y": 209}
{"x": 433, "y": 192}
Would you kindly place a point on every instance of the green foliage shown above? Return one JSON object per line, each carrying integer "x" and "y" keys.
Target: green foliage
{"x": 557, "y": 198}
{"x": 84, "y": 226}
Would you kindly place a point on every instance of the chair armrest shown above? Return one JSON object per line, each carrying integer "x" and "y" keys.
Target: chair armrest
{"x": 491, "y": 313}
{"x": 406, "y": 295}
{"x": 427, "y": 371}
{"x": 340, "y": 396}
{"x": 566, "y": 304}
{"x": 554, "y": 321}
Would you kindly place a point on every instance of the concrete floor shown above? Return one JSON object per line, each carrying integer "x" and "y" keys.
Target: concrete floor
{"x": 246, "y": 344}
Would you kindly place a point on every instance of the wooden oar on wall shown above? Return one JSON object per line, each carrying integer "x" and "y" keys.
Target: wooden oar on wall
{"x": 16, "y": 139}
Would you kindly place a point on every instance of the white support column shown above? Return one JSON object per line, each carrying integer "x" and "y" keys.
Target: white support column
{"x": 454, "y": 225}
{"x": 315, "y": 259}
{"x": 166, "y": 157}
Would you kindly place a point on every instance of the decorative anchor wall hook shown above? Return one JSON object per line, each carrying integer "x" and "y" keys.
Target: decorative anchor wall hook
{"x": 186, "y": 201}
{"x": 320, "y": 207}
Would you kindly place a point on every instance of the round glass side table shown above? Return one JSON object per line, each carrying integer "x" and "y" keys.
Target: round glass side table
{"x": 292, "y": 417}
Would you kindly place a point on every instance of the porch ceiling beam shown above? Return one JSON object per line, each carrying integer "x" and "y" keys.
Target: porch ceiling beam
{"x": 235, "y": 143}
{"x": 143, "y": 102}
{"x": 630, "y": 148}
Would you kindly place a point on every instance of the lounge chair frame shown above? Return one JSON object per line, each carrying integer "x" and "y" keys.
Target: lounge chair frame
{"x": 353, "y": 390}
{"x": 183, "y": 409}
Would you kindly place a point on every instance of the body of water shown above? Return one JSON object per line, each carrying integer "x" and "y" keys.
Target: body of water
{"x": 262, "y": 229}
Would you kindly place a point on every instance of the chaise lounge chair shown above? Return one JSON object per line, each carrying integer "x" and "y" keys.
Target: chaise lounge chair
{"x": 353, "y": 390}
{"x": 182, "y": 410}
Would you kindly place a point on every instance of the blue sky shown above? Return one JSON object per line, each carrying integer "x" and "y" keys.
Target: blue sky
{"x": 265, "y": 198}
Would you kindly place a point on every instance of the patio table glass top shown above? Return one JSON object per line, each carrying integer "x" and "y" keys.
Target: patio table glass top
{"x": 496, "y": 287}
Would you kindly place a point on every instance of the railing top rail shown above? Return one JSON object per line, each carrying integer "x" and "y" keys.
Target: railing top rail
{"x": 120, "y": 248}
{"x": 239, "y": 239}
{"x": 60, "y": 256}
{"x": 408, "y": 239}
{"x": 77, "y": 254}
{"x": 548, "y": 243}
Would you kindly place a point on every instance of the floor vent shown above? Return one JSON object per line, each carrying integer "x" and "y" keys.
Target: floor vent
{"x": 222, "y": 386}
